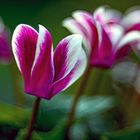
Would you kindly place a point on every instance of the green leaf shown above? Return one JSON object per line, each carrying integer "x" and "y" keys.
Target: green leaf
{"x": 54, "y": 134}
{"x": 13, "y": 115}
{"x": 89, "y": 106}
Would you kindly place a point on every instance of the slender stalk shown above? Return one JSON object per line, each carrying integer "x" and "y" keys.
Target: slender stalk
{"x": 33, "y": 118}
{"x": 79, "y": 92}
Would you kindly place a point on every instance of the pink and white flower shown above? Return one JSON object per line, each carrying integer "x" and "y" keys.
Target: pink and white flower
{"x": 5, "y": 47}
{"x": 47, "y": 73}
{"x": 106, "y": 41}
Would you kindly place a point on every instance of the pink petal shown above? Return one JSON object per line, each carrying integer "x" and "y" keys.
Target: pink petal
{"x": 134, "y": 27}
{"x": 124, "y": 46}
{"x": 42, "y": 73}
{"x": 115, "y": 32}
{"x": 131, "y": 17}
{"x": 104, "y": 56}
{"x": 24, "y": 46}
{"x": 75, "y": 27}
{"x": 101, "y": 47}
{"x": 129, "y": 38}
{"x": 122, "y": 52}
{"x": 66, "y": 55}
{"x": 72, "y": 76}
{"x": 87, "y": 21}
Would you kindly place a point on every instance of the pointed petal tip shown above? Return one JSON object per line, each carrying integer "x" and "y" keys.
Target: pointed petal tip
{"x": 42, "y": 28}
{"x": 66, "y": 22}
{"x": 20, "y": 26}
{"x": 80, "y": 13}
{"x": 23, "y": 25}
{"x": 17, "y": 31}
{"x": 44, "y": 34}
{"x": 77, "y": 12}
{"x": 24, "y": 36}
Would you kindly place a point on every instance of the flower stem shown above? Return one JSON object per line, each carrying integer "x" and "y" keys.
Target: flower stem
{"x": 33, "y": 119}
{"x": 79, "y": 92}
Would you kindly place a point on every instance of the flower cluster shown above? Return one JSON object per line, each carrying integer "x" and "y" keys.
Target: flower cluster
{"x": 107, "y": 37}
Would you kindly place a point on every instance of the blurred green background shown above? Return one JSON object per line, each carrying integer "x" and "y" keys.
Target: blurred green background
{"x": 109, "y": 111}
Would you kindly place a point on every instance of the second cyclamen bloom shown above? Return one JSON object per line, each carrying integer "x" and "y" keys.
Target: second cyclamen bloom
{"x": 106, "y": 41}
{"x": 45, "y": 72}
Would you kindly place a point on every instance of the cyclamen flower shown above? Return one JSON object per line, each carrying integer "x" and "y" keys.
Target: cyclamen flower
{"x": 105, "y": 42}
{"x": 5, "y": 48}
{"x": 47, "y": 73}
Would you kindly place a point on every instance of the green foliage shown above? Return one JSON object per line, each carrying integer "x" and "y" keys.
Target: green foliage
{"x": 54, "y": 134}
{"x": 12, "y": 118}
{"x": 123, "y": 135}
{"x": 13, "y": 115}
{"x": 22, "y": 135}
